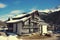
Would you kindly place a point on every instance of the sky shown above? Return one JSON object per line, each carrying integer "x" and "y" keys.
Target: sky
{"x": 14, "y": 7}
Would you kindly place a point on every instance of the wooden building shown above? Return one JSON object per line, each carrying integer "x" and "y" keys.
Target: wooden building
{"x": 27, "y": 23}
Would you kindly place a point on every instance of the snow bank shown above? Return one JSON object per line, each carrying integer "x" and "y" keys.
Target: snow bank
{"x": 9, "y": 38}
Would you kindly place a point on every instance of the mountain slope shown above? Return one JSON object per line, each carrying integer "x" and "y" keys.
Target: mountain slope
{"x": 53, "y": 18}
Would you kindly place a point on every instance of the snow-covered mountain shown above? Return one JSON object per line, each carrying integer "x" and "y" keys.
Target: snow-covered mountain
{"x": 50, "y": 10}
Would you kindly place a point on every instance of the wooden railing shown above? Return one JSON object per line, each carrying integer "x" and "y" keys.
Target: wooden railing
{"x": 27, "y": 26}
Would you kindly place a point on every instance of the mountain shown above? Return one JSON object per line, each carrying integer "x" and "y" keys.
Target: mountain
{"x": 53, "y": 18}
{"x": 57, "y": 8}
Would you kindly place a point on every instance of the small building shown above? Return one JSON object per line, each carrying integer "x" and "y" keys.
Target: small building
{"x": 27, "y": 23}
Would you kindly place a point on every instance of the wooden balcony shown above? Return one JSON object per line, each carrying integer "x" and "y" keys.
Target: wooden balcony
{"x": 33, "y": 21}
{"x": 27, "y": 26}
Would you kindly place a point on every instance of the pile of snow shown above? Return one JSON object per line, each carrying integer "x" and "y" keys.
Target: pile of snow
{"x": 10, "y": 37}
{"x": 3, "y": 38}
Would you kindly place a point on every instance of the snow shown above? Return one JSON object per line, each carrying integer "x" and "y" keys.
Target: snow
{"x": 31, "y": 11}
{"x": 10, "y": 37}
{"x": 54, "y": 10}
{"x": 3, "y": 38}
{"x": 23, "y": 19}
{"x": 12, "y": 21}
{"x": 21, "y": 15}
{"x": 46, "y": 10}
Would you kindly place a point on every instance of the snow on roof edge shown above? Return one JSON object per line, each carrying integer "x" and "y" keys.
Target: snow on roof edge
{"x": 23, "y": 19}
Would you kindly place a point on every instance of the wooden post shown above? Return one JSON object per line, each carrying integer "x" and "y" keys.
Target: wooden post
{"x": 19, "y": 28}
{"x": 41, "y": 29}
{"x": 14, "y": 28}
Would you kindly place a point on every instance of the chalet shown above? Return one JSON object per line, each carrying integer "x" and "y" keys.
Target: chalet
{"x": 27, "y": 23}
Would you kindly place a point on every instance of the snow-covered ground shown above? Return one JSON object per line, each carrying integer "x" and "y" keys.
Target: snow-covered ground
{"x": 9, "y": 38}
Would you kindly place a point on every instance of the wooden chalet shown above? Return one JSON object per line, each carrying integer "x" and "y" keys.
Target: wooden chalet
{"x": 27, "y": 23}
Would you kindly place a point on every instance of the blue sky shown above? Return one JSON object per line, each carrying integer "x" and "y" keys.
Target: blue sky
{"x": 11, "y": 7}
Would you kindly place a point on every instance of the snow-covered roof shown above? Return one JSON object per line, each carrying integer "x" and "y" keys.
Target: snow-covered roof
{"x": 21, "y": 15}
{"x": 23, "y": 19}
{"x": 12, "y": 21}
{"x": 31, "y": 11}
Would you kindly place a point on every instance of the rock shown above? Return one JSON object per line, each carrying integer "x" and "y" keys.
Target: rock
{"x": 2, "y": 33}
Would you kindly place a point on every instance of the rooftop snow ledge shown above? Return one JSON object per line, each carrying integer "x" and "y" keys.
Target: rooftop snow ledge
{"x": 32, "y": 11}
{"x": 23, "y": 19}
{"x": 21, "y": 15}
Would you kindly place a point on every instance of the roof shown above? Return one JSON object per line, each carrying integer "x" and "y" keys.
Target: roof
{"x": 12, "y": 21}
{"x": 23, "y": 19}
{"x": 31, "y": 12}
{"x": 21, "y": 15}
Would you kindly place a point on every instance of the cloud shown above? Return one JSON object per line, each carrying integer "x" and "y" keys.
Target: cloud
{"x": 4, "y": 17}
{"x": 16, "y": 11}
{"x": 58, "y": 5}
{"x": 2, "y": 5}
{"x": 11, "y": 14}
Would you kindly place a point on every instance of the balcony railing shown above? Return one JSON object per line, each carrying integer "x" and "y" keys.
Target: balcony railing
{"x": 27, "y": 26}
